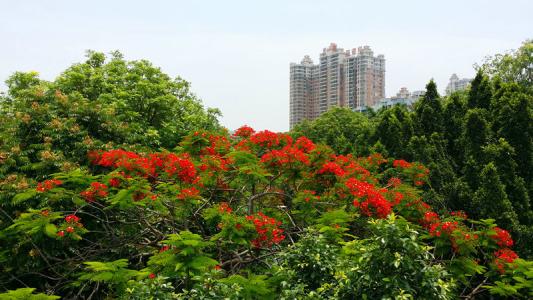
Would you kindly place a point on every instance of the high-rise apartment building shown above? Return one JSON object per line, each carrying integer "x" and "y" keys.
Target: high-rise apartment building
{"x": 457, "y": 84}
{"x": 354, "y": 79}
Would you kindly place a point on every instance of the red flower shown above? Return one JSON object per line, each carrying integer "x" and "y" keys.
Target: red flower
{"x": 72, "y": 219}
{"x": 459, "y": 214}
{"x": 331, "y": 168}
{"x": 70, "y": 229}
{"x": 504, "y": 256}
{"x": 48, "y": 185}
{"x": 97, "y": 190}
{"x": 61, "y": 233}
{"x": 395, "y": 181}
{"x": 114, "y": 182}
{"x": 304, "y": 144}
{"x": 224, "y": 208}
{"x": 164, "y": 248}
{"x": 430, "y": 218}
{"x": 267, "y": 230}
{"x": 151, "y": 276}
{"x": 401, "y": 164}
{"x": 502, "y": 237}
{"x": 218, "y": 267}
{"x": 244, "y": 131}
{"x": 188, "y": 193}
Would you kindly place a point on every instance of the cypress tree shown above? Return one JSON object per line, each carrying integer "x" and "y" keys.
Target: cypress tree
{"x": 429, "y": 112}
{"x": 491, "y": 201}
{"x": 480, "y": 93}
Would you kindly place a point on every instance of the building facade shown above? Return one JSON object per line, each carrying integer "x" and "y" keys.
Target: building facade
{"x": 403, "y": 97}
{"x": 456, "y": 84}
{"x": 354, "y": 79}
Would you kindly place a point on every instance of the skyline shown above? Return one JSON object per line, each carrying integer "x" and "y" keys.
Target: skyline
{"x": 237, "y": 55}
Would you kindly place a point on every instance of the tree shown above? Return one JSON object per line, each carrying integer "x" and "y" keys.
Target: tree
{"x": 490, "y": 199}
{"x": 344, "y": 130}
{"x": 428, "y": 110}
{"x": 513, "y": 120}
{"x": 394, "y": 130}
{"x": 92, "y": 105}
{"x": 454, "y": 112}
{"x": 480, "y": 93}
{"x": 514, "y": 66}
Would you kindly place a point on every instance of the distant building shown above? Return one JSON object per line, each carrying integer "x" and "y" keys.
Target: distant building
{"x": 457, "y": 84}
{"x": 354, "y": 79}
{"x": 304, "y": 91}
{"x": 402, "y": 97}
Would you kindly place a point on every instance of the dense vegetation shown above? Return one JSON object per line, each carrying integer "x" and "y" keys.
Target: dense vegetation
{"x": 116, "y": 183}
{"x": 477, "y": 143}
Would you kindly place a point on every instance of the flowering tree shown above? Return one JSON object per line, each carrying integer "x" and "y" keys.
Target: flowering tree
{"x": 221, "y": 213}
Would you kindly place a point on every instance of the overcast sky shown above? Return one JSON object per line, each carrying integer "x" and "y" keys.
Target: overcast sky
{"x": 236, "y": 54}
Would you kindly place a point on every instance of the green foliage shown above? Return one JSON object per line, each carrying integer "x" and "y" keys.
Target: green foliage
{"x": 312, "y": 261}
{"x": 185, "y": 257}
{"x": 393, "y": 264}
{"x": 428, "y": 110}
{"x": 342, "y": 129}
{"x": 26, "y": 294}
{"x": 517, "y": 282}
{"x": 490, "y": 200}
{"x": 514, "y": 66}
{"x": 114, "y": 272}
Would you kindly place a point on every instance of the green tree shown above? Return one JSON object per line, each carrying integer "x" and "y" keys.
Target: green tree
{"x": 428, "y": 110}
{"x": 491, "y": 201}
{"x": 394, "y": 130}
{"x": 342, "y": 129}
{"x": 514, "y": 66}
{"x": 480, "y": 93}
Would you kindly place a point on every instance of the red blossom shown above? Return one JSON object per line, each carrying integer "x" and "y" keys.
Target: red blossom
{"x": 188, "y": 193}
{"x": 331, "y": 168}
{"x": 267, "y": 230}
{"x": 304, "y": 144}
{"x": 503, "y": 257}
{"x": 224, "y": 208}
{"x": 502, "y": 237}
{"x": 61, "y": 233}
{"x": 400, "y": 163}
{"x": 72, "y": 219}
{"x": 244, "y": 131}
{"x": 48, "y": 185}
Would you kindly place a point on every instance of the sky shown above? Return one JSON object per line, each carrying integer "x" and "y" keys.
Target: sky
{"x": 236, "y": 54}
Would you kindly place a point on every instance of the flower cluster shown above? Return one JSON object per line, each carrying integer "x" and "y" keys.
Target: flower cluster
{"x": 48, "y": 185}
{"x": 151, "y": 166}
{"x": 97, "y": 190}
{"x": 224, "y": 208}
{"x": 369, "y": 200}
{"x": 72, "y": 222}
{"x": 331, "y": 168}
{"x": 269, "y": 139}
{"x": 267, "y": 230}
{"x": 400, "y": 163}
{"x": 188, "y": 193}
{"x": 503, "y": 257}
{"x": 304, "y": 144}
{"x": 244, "y": 131}
{"x": 502, "y": 237}
{"x": 286, "y": 156}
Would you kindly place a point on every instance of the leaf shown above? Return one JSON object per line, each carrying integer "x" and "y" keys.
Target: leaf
{"x": 50, "y": 230}
{"x": 22, "y": 197}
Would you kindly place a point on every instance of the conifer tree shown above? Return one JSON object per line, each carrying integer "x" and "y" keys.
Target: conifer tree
{"x": 491, "y": 201}
{"x": 429, "y": 111}
{"x": 480, "y": 93}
